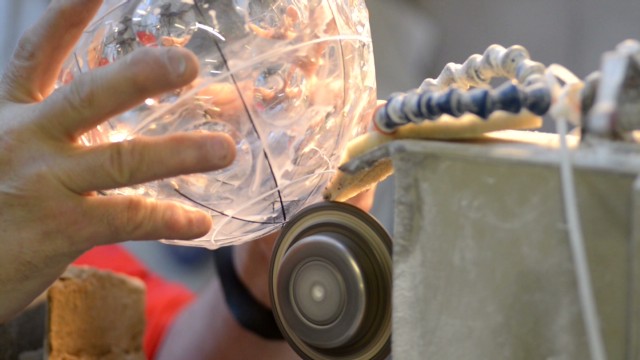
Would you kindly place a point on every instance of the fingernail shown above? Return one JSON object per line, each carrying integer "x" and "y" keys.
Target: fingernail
{"x": 200, "y": 222}
{"x": 177, "y": 62}
{"x": 222, "y": 150}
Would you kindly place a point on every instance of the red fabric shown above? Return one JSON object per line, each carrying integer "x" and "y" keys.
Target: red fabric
{"x": 164, "y": 299}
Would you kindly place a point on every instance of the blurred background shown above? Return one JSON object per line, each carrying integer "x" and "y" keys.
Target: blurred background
{"x": 414, "y": 39}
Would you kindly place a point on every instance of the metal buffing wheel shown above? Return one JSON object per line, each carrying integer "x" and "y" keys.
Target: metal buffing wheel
{"x": 330, "y": 283}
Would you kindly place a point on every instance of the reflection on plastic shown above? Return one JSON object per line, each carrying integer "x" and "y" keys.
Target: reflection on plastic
{"x": 288, "y": 80}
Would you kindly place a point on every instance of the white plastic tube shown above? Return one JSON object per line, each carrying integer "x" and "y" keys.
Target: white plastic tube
{"x": 578, "y": 250}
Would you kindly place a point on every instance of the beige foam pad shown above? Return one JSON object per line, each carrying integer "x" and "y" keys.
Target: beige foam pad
{"x": 344, "y": 186}
{"x": 95, "y": 315}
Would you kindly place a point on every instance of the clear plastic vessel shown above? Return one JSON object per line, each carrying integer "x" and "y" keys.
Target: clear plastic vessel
{"x": 289, "y": 80}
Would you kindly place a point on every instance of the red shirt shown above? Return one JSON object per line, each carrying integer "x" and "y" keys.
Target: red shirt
{"x": 164, "y": 299}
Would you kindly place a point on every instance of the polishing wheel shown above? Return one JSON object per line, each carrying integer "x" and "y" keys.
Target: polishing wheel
{"x": 330, "y": 284}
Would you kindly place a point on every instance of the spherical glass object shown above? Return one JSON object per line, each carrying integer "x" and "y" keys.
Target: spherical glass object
{"x": 288, "y": 80}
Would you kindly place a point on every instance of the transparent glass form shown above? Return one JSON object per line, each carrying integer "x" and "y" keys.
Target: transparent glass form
{"x": 288, "y": 80}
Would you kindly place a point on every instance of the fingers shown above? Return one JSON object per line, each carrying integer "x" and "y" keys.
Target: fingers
{"x": 97, "y": 95}
{"x": 32, "y": 72}
{"x": 140, "y": 160}
{"x": 121, "y": 218}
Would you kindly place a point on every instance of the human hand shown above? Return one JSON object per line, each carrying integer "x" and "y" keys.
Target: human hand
{"x": 49, "y": 211}
{"x": 252, "y": 259}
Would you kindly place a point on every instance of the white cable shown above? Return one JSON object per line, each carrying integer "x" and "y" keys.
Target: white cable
{"x": 578, "y": 250}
